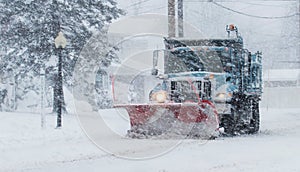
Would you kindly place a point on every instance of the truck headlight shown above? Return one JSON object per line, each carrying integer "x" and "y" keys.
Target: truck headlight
{"x": 160, "y": 96}
{"x": 223, "y": 96}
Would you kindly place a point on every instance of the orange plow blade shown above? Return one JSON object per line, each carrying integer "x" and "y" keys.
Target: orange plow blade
{"x": 166, "y": 119}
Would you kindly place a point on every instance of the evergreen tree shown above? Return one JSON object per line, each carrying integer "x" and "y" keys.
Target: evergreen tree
{"x": 28, "y": 29}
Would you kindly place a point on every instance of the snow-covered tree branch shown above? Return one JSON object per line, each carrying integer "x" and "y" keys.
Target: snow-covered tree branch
{"x": 28, "y": 29}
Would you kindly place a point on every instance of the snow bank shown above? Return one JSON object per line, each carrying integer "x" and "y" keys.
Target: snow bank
{"x": 281, "y": 97}
{"x": 25, "y": 146}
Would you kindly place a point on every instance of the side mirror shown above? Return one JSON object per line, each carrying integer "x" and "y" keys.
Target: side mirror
{"x": 155, "y": 58}
{"x": 228, "y": 79}
{"x": 154, "y": 72}
{"x": 162, "y": 76}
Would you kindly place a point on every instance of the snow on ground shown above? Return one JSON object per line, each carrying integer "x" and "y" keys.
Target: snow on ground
{"x": 25, "y": 146}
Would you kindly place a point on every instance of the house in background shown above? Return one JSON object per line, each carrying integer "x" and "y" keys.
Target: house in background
{"x": 282, "y": 78}
{"x": 281, "y": 88}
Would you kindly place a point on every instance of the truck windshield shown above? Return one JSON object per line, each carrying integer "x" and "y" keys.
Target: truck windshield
{"x": 199, "y": 60}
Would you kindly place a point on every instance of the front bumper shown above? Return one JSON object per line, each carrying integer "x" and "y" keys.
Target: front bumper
{"x": 223, "y": 107}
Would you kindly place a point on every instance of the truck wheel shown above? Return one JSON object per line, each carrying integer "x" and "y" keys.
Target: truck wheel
{"x": 255, "y": 121}
{"x": 229, "y": 124}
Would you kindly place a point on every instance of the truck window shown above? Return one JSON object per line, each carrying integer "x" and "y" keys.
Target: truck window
{"x": 190, "y": 61}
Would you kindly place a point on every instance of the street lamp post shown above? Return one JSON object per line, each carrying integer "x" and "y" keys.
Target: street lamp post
{"x": 42, "y": 92}
{"x": 60, "y": 43}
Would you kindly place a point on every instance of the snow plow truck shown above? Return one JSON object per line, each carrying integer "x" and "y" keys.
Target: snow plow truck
{"x": 207, "y": 87}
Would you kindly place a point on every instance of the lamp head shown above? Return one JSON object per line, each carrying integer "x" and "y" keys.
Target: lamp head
{"x": 60, "y": 40}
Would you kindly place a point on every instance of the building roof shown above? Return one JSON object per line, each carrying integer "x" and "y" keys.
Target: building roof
{"x": 281, "y": 75}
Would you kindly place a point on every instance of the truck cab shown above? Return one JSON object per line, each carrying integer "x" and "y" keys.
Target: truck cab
{"x": 218, "y": 70}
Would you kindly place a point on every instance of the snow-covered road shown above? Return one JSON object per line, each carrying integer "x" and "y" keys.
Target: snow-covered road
{"x": 24, "y": 146}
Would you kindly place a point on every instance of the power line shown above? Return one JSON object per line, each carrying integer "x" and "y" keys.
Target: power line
{"x": 255, "y": 16}
{"x": 240, "y": 1}
{"x": 267, "y": 5}
{"x": 135, "y": 4}
{"x": 147, "y": 11}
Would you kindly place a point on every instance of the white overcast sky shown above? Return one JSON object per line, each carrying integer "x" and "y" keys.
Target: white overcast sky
{"x": 267, "y": 35}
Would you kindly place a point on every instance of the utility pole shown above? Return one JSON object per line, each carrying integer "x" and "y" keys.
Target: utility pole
{"x": 299, "y": 34}
{"x": 180, "y": 18}
{"x": 171, "y": 18}
{"x": 298, "y": 48}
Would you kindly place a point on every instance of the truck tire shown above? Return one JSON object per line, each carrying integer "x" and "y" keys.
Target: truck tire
{"x": 228, "y": 123}
{"x": 255, "y": 121}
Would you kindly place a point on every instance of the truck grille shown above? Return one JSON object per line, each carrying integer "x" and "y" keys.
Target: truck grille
{"x": 182, "y": 91}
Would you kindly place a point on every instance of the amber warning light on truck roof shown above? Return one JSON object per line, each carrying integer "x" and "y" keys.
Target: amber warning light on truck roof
{"x": 231, "y": 27}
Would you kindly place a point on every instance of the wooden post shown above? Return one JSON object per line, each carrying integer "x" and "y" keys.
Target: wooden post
{"x": 171, "y": 18}
{"x": 180, "y": 18}
{"x": 298, "y": 49}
